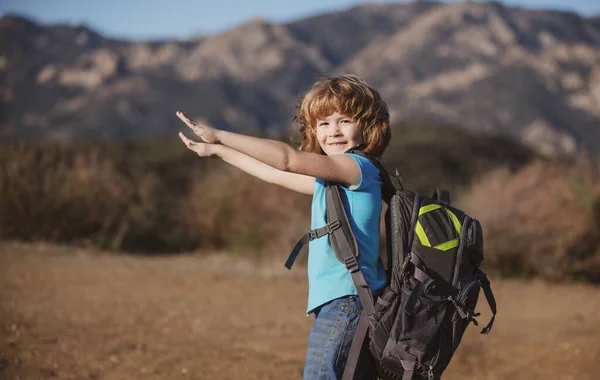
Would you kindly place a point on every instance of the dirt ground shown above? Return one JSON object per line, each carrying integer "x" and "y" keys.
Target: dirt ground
{"x": 68, "y": 313}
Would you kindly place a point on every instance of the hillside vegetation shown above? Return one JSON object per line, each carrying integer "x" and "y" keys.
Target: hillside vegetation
{"x": 541, "y": 217}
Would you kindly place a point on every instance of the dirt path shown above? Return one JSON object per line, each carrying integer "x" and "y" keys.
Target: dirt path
{"x": 74, "y": 314}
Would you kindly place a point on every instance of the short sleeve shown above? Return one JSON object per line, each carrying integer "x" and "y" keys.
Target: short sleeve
{"x": 369, "y": 174}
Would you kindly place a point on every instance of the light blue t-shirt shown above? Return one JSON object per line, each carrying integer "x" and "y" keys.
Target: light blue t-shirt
{"x": 329, "y": 279}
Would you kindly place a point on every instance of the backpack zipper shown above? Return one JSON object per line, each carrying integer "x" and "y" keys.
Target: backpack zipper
{"x": 435, "y": 359}
{"x": 461, "y": 249}
{"x": 462, "y": 299}
{"x": 459, "y": 257}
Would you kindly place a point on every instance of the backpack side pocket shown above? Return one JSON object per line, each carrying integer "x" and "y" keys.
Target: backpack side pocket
{"x": 466, "y": 300}
{"x": 381, "y": 322}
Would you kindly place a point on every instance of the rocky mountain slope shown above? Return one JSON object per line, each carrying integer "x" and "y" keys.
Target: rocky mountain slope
{"x": 482, "y": 66}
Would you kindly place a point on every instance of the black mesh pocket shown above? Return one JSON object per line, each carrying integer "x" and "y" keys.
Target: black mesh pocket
{"x": 467, "y": 299}
{"x": 419, "y": 329}
{"x": 456, "y": 325}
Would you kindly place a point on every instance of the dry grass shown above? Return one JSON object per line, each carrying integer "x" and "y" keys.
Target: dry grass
{"x": 57, "y": 194}
{"x": 543, "y": 220}
{"x": 240, "y": 213}
{"x": 107, "y": 197}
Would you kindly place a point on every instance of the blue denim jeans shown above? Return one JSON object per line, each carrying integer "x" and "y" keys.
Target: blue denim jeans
{"x": 330, "y": 338}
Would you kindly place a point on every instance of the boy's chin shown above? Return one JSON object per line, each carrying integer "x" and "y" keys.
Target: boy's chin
{"x": 331, "y": 150}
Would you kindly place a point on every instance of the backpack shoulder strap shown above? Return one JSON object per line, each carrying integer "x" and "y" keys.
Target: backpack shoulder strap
{"x": 345, "y": 246}
{"x": 392, "y": 181}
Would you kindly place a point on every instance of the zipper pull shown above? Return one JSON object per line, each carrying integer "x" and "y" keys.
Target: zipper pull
{"x": 430, "y": 375}
{"x": 461, "y": 312}
{"x": 404, "y": 264}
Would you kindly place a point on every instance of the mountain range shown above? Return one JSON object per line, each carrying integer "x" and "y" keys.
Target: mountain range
{"x": 483, "y": 67}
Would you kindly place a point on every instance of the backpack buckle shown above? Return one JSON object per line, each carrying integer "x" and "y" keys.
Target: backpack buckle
{"x": 351, "y": 264}
{"x": 325, "y": 230}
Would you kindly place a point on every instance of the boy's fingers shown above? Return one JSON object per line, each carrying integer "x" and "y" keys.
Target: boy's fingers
{"x": 189, "y": 143}
{"x": 183, "y": 138}
{"x": 192, "y": 145}
{"x": 193, "y": 125}
{"x": 185, "y": 119}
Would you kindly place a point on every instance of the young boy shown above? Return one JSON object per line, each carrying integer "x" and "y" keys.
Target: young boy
{"x": 335, "y": 115}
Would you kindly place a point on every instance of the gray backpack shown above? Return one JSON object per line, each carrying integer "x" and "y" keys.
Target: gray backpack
{"x": 434, "y": 252}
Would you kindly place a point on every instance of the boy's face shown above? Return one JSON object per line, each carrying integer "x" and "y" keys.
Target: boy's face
{"x": 337, "y": 133}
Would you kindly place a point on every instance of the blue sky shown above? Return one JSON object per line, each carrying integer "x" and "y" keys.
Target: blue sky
{"x": 143, "y": 19}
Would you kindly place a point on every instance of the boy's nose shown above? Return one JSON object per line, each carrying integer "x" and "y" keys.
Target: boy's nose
{"x": 334, "y": 129}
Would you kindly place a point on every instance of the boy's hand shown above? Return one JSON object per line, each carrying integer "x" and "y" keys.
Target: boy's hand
{"x": 202, "y": 149}
{"x": 206, "y": 133}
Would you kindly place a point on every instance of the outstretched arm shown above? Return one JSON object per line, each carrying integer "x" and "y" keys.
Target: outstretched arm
{"x": 281, "y": 156}
{"x": 297, "y": 182}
